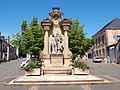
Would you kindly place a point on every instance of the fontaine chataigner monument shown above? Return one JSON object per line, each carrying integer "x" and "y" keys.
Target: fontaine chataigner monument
{"x": 56, "y": 55}
{"x": 56, "y": 58}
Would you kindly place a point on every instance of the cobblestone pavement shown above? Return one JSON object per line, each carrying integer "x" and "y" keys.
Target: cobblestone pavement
{"x": 11, "y": 70}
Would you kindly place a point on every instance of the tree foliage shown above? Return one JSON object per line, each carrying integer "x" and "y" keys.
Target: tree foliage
{"x": 78, "y": 43}
{"x": 30, "y": 39}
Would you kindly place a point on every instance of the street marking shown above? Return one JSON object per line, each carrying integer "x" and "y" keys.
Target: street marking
{"x": 3, "y": 79}
{"x": 8, "y": 77}
{"x": 115, "y": 79}
{"x": 86, "y": 87}
{"x": 34, "y": 88}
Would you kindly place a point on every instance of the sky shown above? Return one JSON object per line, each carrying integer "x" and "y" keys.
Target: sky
{"x": 94, "y": 14}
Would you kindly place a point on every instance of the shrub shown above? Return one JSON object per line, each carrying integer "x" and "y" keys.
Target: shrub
{"x": 31, "y": 65}
{"x": 81, "y": 65}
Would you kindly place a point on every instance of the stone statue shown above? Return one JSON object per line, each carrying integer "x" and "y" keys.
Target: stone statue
{"x": 53, "y": 44}
{"x": 56, "y": 44}
{"x": 60, "y": 47}
{"x": 56, "y": 23}
{"x": 59, "y": 44}
{"x": 56, "y": 53}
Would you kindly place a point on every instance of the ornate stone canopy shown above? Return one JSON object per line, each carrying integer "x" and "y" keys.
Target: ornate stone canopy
{"x": 56, "y": 14}
{"x": 56, "y": 51}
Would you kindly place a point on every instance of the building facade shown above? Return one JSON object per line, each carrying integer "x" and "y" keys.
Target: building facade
{"x": 118, "y": 52}
{"x": 104, "y": 41}
{"x": 7, "y": 50}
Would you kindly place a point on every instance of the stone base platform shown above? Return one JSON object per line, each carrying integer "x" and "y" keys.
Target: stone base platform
{"x": 57, "y": 71}
{"x": 57, "y": 80}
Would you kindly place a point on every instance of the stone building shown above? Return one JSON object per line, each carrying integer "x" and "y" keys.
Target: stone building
{"x": 7, "y": 50}
{"x": 118, "y": 52}
{"x": 104, "y": 41}
{"x": 3, "y": 48}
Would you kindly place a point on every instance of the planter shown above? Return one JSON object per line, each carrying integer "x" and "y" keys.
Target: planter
{"x": 78, "y": 71}
{"x": 35, "y": 71}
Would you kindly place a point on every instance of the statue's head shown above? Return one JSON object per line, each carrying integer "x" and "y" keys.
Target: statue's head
{"x": 57, "y": 34}
{"x": 52, "y": 35}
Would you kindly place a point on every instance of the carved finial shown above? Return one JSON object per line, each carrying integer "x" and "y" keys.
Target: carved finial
{"x": 56, "y": 8}
{"x": 56, "y": 13}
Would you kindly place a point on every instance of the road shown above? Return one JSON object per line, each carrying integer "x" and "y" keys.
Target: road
{"x": 11, "y": 70}
{"x": 110, "y": 72}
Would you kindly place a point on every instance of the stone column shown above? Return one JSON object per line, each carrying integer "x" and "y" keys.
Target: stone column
{"x": 8, "y": 52}
{"x": 27, "y": 57}
{"x": 65, "y": 42}
{"x": 3, "y": 56}
{"x": 46, "y": 24}
{"x": 17, "y": 52}
{"x": 46, "y": 42}
{"x": 65, "y": 25}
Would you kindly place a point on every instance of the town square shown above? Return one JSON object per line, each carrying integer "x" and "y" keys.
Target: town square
{"x": 57, "y": 45}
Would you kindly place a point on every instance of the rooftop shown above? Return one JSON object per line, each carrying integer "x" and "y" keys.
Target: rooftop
{"x": 114, "y": 24}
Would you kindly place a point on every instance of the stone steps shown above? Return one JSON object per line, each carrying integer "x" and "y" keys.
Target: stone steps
{"x": 60, "y": 83}
{"x": 58, "y": 80}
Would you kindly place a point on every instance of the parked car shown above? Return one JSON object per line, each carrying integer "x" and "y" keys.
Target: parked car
{"x": 97, "y": 59}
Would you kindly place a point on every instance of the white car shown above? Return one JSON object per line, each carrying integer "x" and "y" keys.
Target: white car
{"x": 97, "y": 59}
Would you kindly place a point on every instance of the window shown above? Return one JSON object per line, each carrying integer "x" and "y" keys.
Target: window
{"x": 118, "y": 37}
{"x": 96, "y": 52}
{"x": 96, "y": 42}
{"x": 99, "y": 52}
{"x": 0, "y": 45}
{"x": 119, "y": 48}
{"x": 103, "y": 52}
{"x": 103, "y": 40}
{"x": 99, "y": 40}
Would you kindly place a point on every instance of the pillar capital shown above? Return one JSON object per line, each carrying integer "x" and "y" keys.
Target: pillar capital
{"x": 65, "y": 24}
{"x": 46, "y": 24}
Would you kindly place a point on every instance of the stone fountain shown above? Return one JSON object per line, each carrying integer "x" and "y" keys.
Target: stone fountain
{"x": 56, "y": 55}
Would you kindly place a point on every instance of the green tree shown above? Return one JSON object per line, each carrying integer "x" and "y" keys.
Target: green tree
{"x": 30, "y": 39}
{"x": 78, "y": 43}
{"x": 19, "y": 39}
{"x": 37, "y": 37}
{"x": 24, "y": 25}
